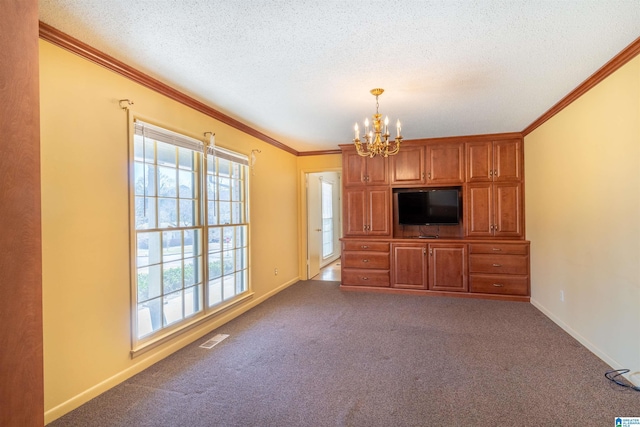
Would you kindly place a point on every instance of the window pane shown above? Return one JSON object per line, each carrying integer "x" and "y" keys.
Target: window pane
{"x": 224, "y": 186}
{"x": 186, "y": 158}
{"x": 215, "y": 245}
{"x": 224, "y": 167}
{"x": 212, "y": 214}
{"x": 228, "y": 286}
{"x": 172, "y": 308}
{"x": 215, "y": 265}
{"x": 241, "y": 236}
{"x": 227, "y": 262}
{"x": 172, "y": 276}
{"x": 236, "y": 213}
{"x": 241, "y": 259}
{"x": 149, "y": 317}
{"x": 167, "y": 212}
{"x": 167, "y": 182}
{"x": 187, "y": 184}
{"x": 148, "y": 250}
{"x": 228, "y": 235}
{"x": 192, "y": 243}
{"x": 241, "y": 281}
{"x": 166, "y": 154}
{"x": 212, "y": 190}
{"x": 215, "y": 291}
{"x": 236, "y": 190}
{"x": 171, "y": 245}
{"x": 145, "y": 213}
{"x": 225, "y": 212}
{"x": 189, "y": 272}
{"x": 187, "y": 213}
{"x": 211, "y": 165}
{"x": 192, "y": 300}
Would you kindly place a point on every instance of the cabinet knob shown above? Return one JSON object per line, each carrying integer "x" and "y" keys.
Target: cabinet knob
{"x": 496, "y": 249}
{"x": 365, "y": 278}
{"x": 498, "y": 285}
{"x": 365, "y": 260}
{"x": 497, "y": 265}
{"x": 364, "y": 247}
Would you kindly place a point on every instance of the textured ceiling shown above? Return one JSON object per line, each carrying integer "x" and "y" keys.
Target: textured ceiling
{"x": 300, "y": 71}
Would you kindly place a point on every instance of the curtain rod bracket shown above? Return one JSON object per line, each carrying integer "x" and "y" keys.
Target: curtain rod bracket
{"x": 125, "y": 107}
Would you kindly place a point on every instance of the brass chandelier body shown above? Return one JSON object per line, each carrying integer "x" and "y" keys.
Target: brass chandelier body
{"x": 376, "y": 141}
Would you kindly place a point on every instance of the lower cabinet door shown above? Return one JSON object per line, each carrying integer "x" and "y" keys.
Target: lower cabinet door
{"x": 448, "y": 267}
{"x": 409, "y": 263}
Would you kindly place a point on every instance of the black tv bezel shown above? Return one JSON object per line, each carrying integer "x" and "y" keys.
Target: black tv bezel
{"x": 458, "y": 191}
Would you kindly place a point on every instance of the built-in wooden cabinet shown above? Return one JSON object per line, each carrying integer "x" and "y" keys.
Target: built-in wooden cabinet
{"x": 358, "y": 170}
{"x": 484, "y": 256}
{"x": 448, "y": 267}
{"x": 445, "y": 163}
{"x": 367, "y": 211}
{"x": 409, "y": 261}
{"x": 494, "y": 160}
{"x": 494, "y": 210}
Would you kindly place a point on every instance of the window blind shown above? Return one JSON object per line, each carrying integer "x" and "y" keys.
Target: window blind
{"x": 148, "y": 130}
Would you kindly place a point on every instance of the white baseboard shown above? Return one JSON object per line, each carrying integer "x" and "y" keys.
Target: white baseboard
{"x": 582, "y": 340}
{"x": 142, "y": 363}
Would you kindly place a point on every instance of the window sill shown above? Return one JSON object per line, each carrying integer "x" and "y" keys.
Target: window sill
{"x": 180, "y": 330}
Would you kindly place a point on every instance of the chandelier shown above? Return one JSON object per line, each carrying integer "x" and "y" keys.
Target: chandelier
{"x": 375, "y": 142}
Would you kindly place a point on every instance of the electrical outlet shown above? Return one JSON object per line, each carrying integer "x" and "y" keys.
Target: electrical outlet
{"x": 561, "y": 296}
{"x": 275, "y": 271}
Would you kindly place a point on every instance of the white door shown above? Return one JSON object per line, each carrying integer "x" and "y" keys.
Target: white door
{"x": 314, "y": 225}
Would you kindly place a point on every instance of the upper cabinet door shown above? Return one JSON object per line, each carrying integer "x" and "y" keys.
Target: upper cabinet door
{"x": 479, "y": 161}
{"x": 445, "y": 163}
{"x": 507, "y": 160}
{"x": 408, "y": 166}
{"x": 377, "y": 170}
{"x": 358, "y": 170}
{"x": 494, "y": 160}
{"x": 354, "y": 168}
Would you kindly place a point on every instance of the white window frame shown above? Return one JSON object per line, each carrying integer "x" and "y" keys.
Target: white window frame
{"x": 185, "y": 247}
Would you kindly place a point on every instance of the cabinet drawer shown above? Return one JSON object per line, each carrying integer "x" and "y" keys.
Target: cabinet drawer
{"x": 499, "y": 264}
{"x": 365, "y": 246}
{"x": 507, "y": 285}
{"x": 499, "y": 249}
{"x": 365, "y": 277}
{"x": 367, "y": 260}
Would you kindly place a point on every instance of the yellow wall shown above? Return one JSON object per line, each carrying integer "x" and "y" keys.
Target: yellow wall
{"x": 85, "y": 225}
{"x": 583, "y": 218}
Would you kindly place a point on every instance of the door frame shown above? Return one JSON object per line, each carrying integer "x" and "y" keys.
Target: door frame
{"x": 304, "y": 223}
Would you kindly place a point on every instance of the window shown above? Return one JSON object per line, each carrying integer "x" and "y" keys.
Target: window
{"x": 327, "y": 219}
{"x": 191, "y": 219}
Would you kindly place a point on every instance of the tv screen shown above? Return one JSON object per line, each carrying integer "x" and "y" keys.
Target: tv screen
{"x": 429, "y": 207}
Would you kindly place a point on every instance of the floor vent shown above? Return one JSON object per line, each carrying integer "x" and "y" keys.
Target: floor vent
{"x": 214, "y": 341}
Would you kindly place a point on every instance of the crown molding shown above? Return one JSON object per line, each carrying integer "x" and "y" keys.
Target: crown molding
{"x": 319, "y": 152}
{"x": 605, "y": 71}
{"x": 73, "y": 45}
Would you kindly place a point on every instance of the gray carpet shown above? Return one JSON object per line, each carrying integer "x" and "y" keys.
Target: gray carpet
{"x": 317, "y": 356}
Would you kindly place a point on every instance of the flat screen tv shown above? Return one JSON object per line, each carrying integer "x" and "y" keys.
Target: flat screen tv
{"x": 429, "y": 206}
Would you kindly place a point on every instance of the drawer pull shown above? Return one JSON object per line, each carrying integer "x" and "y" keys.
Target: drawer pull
{"x": 364, "y": 247}
{"x": 365, "y": 278}
{"x": 497, "y": 265}
{"x": 365, "y": 260}
{"x": 496, "y": 249}
{"x": 498, "y": 285}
